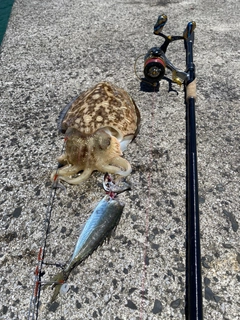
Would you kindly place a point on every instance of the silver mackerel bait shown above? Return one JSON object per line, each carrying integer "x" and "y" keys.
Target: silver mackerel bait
{"x": 98, "y": 227}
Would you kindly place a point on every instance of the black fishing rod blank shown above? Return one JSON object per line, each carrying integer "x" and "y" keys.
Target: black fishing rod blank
{"x": 193, "y": 257}
{"x": 155, "y": 63}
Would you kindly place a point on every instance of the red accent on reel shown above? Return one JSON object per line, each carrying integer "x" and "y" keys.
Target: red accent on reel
{"x": 155, "y": 60}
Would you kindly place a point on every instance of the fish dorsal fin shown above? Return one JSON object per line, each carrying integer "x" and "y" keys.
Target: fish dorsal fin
{"x": 80, "y": 229}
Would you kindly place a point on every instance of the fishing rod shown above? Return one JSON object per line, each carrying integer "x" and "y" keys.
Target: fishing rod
{"x": 194, "y": 283}
{"x": 38, "y": 272}
{"x": 155, "y": 64}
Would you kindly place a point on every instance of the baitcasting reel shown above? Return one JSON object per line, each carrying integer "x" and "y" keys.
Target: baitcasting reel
{"x": 155, "y": 61}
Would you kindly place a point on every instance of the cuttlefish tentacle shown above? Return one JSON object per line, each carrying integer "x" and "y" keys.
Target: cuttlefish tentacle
{"x": 66, "y": 171}
{"x": 62, "y": 159}
{"x": 77, "y": 180}
{"x": 116, "y": 166}
{"x": 122, "y": 163}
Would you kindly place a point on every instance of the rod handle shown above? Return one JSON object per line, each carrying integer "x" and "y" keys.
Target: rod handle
{"x": 191, "y": 91}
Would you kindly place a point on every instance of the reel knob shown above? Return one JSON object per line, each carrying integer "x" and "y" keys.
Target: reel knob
{"x": 162, "y": 19}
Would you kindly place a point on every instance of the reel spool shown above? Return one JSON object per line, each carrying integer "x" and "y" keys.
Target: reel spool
{"x": 154, "y": 65}
{"x": 154, "y": 62}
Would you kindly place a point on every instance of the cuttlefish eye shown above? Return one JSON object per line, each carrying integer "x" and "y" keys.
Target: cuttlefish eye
{"x": 102, "y": 139}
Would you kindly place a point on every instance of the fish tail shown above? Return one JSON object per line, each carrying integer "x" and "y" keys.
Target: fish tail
{"x": 58, "y": 280}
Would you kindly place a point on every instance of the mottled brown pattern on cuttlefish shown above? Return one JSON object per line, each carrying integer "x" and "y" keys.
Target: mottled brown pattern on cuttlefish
{"x": 108, "y": 103}
{"x": 99, "y": 125}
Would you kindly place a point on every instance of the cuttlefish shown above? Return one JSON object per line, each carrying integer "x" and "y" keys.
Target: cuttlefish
{"x": 98, "y": 126}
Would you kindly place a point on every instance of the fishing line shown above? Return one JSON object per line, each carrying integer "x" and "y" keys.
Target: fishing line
{"x": 38, "y": 273}
{"x": 147, "y": 209}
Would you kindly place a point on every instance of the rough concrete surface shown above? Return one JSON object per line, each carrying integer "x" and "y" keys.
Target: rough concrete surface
{"x": 54, "y": 50}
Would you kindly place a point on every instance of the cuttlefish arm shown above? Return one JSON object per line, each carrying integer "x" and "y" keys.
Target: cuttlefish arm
{"x": 110, "y": 159}
{"x": 76, "y": 180}
{"x": 116, "y": 166}
{"x": 65, "y": 171}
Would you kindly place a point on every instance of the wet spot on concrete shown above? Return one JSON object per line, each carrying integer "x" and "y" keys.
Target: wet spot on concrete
{"x": 220, "y": 187}
{"x": 172, "y": 204}
{"x": 134, "y": 217}
{"x": 8, "y": 188}
{"x": 146, "y": 260}
{"x": 206, "y": 260}
{"x": 170, "y": 274}
{"x": 4, "y": 309}
{"x": 155, "y": 231}
{"x": 95, "y": 315}
{"x": 177, "y": 220}
{"x": 131, "y": 305}
{"x": 53, "y": 307}
{"x": 78, "y": 304}
{"x": 232, "y": 220}
{"x": 9, "y": 270}
{"x": 131, "y": 290}
{"x": 206, "y": 281}
{"x": 16, "y": 302}
{"x": 157, "y": 308}
{"x": 155, "y": 246}
{"x": 238, "y": 258}
{"x": 114, "y": 282}
{"x": 175, "y": 304}
{"x": 180, "y": 267}
{"x": 210, "y": 296}
{"x": 74, "y": 289}
{"x": 125, "y": 271}
{"x": 227, "y": 245}
{"x": 8, "y": 237}
{"x": 17, "y": 212}
{"x": 63, "y": 230}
